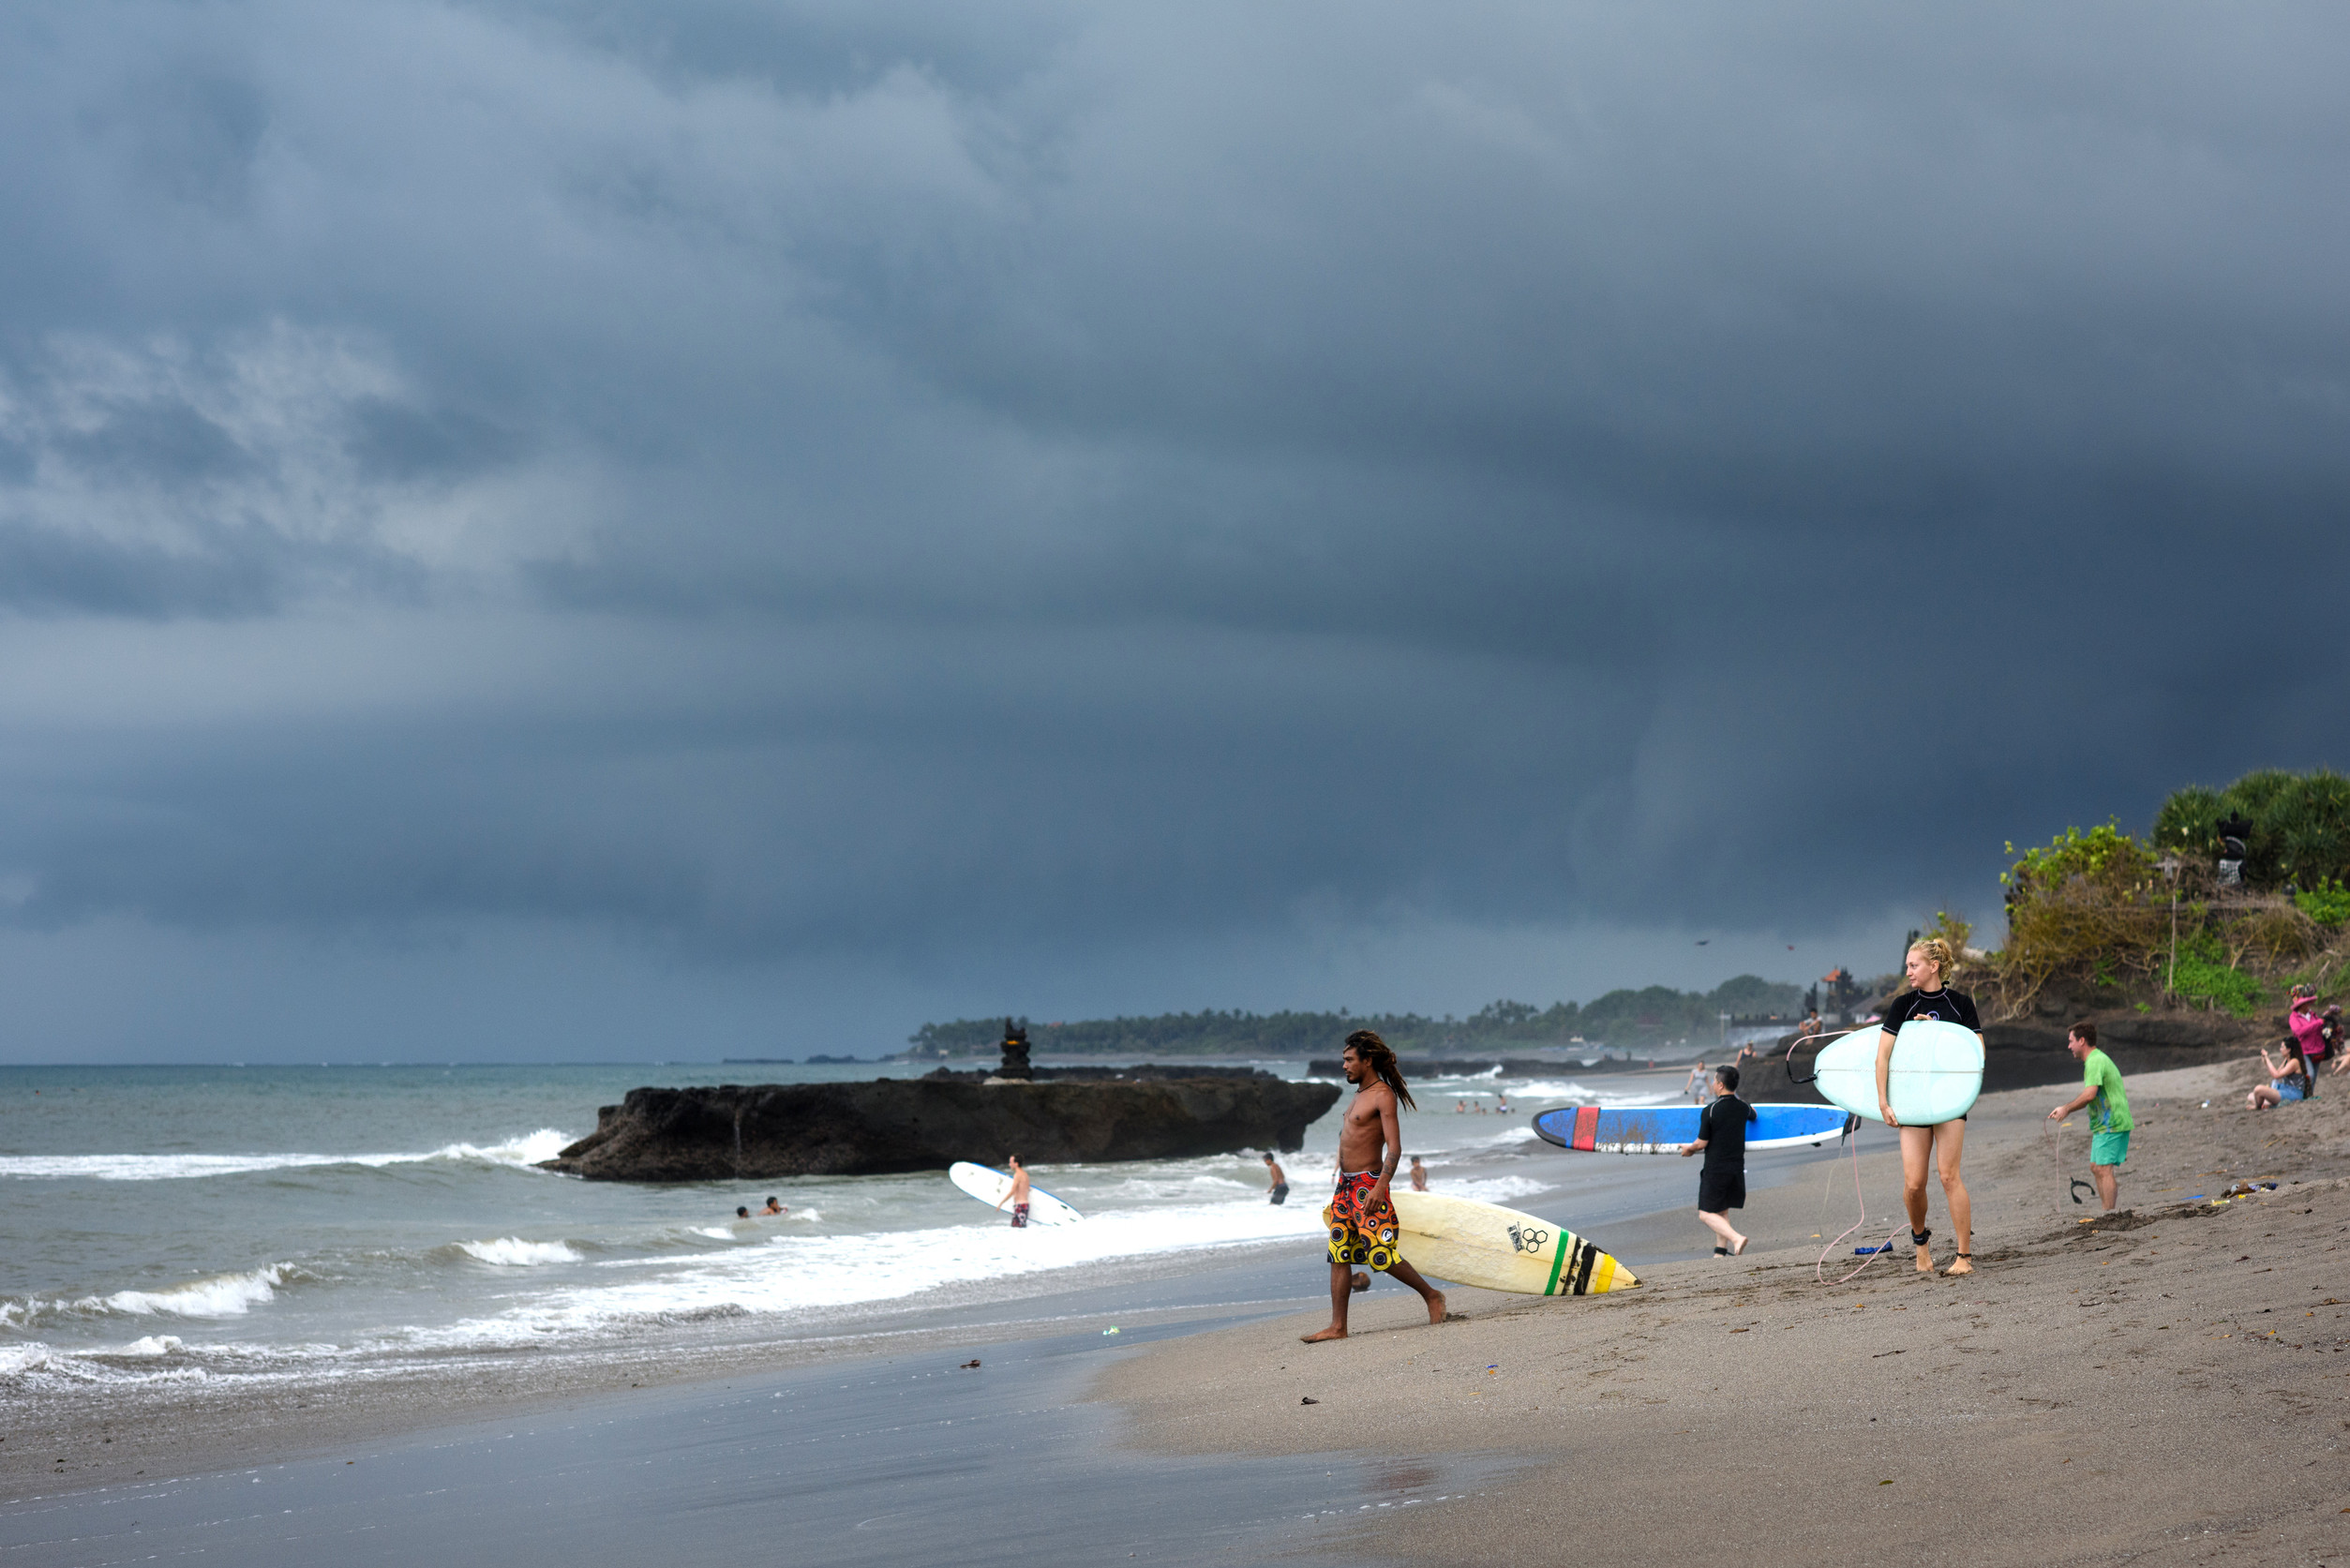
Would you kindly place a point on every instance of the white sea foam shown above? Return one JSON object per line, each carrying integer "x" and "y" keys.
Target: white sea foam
{"x": 813, "y": 1272}
{"x": 223, "y": 1296}
{"x": 1494, "y": 1190}
{"x": 18, "y": 1360}
{"x": 523, "y": 1152}
{"x": 154, "y": 1345}
{"x": 514, "y": 1252}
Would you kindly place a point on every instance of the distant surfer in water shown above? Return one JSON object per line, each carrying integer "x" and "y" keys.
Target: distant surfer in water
{"x": 1928, "y": 965}
{"x": 1018, "y": 1196}
{"x": 1280, "y": 1179}
{"x": 1361, "y": 1215}
{"x": 1722, "y": 1182}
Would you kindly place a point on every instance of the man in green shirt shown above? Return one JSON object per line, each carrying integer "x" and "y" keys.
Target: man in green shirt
{"x": 2109, "y": 1121}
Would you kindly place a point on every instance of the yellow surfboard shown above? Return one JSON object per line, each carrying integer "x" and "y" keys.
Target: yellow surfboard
{"x": 1501, "y": 1249}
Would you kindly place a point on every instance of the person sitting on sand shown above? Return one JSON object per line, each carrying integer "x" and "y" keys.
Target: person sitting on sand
{"x": 1419, "y": 1175}
{"x": 1361, "y": 1214}
{"x": 1927, "y": 965}
{"x": 2329, "y": 1029}
{"x": 2109, "y": 1122}
{"x": 1280, "y": 1193}
{"x": 1018, "y": 1196}
{"x": 1722, "y": 1179}
{"x": 2289, "y": 1079}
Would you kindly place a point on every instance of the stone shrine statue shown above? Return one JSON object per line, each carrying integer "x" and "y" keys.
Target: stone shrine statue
{"x": 1015, "y": 1052}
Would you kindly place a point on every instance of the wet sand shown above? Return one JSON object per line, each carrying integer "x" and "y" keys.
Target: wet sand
{"x": 2168, "y": 1384}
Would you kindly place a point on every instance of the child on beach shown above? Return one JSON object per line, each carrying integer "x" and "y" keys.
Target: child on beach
{"x": 2109, "y": 1122}
{"x": 1722, "y": 1179}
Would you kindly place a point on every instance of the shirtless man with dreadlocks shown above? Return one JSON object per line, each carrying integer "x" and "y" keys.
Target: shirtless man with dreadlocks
{"x": 1361, "y": 1219}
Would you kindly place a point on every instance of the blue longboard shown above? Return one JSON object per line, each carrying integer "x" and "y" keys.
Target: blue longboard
{"x": 1660, "y": 1129}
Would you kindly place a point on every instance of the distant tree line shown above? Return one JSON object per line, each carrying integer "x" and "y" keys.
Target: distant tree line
{"x": 1625, "y": 1019}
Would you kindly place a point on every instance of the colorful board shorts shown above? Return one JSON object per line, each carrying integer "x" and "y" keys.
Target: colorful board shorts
{"x": 2108, "y": 1149}
{"x": 1361, "y": 1232}
{"x": 1019, "y": 1216}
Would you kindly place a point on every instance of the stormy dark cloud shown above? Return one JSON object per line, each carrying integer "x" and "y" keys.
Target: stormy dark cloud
{"x": 535, "y": 529}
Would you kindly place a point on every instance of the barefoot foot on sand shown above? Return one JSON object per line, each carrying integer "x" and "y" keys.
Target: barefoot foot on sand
{"x": 1959, "y": 1266}
{"x": 1435, "y": 1306}
{"x": 1739, "y": 1246}
{"x": 1925, "y": 1260}
{"x": 1334, "y": 1331}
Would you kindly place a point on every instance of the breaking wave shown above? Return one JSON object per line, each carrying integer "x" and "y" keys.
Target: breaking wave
{"x": 521, "y": 1153}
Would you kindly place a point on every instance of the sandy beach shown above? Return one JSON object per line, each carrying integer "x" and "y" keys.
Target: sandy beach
{"x": 2167, "y": 1384}
{"x": 2183, "y": 1360}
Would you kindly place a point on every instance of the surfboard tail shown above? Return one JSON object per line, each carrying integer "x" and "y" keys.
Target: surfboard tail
{"x": 1581, "y": 1269}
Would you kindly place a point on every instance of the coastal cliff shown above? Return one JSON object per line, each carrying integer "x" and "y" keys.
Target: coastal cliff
{"x": 891, "y": 1125}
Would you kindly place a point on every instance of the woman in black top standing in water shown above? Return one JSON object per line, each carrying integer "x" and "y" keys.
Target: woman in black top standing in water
{"x": 1928, "y": 964}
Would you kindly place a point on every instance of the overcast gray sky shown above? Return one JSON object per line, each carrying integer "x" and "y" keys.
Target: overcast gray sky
{"x": 705, "y": 527}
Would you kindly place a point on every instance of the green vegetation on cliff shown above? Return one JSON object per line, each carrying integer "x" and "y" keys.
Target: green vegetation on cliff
{"x": 1628, "y": 1020}
{"x": 2105, "y": 917}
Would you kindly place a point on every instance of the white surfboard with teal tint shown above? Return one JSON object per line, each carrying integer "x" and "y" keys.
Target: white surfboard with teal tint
{"x": 992, "y": 1187}
{"x": 1936, "y": 1074}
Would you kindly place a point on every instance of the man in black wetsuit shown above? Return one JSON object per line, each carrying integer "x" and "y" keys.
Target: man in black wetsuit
{"x": 1722, "y": 1179}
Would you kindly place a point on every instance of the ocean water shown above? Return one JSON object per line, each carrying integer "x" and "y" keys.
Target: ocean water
{"x": 167, "y": 1225}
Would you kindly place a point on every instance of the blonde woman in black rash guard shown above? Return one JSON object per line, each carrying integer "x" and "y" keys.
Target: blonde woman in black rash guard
{"x": 1927, "y": 965}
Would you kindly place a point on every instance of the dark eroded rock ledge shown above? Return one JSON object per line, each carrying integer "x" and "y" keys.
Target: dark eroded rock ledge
{"x": 846, "y": 1129}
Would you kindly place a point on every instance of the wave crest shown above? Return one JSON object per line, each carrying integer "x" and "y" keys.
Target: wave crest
{"x": 514, "y": 1252}
{"x": 223, "y": 1296}
{"x": 521, "y": 1153}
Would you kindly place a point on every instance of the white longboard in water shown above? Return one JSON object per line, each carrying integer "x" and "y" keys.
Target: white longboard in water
{"x": 1936, "y": 1074}
{"x": 990, "y": 1187}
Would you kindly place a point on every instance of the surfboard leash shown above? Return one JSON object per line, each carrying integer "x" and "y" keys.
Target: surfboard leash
{"x": 1820, "y": 1269}
{"x": 1797, "y": 1044}
{"x": 2056, "y": 1149}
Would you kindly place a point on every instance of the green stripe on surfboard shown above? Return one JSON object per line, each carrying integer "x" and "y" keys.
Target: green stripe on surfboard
{"x": 1558, "y": 1262}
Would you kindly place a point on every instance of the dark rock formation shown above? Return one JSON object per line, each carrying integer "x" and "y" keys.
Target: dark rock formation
{"x": 840, "y": 1129}
{"x": 1145, "y": 1072}
{"x": 1468, "y": 1066}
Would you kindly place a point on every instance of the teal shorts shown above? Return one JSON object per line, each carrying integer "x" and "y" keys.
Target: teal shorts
{"x": 2108, "y": 1149}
